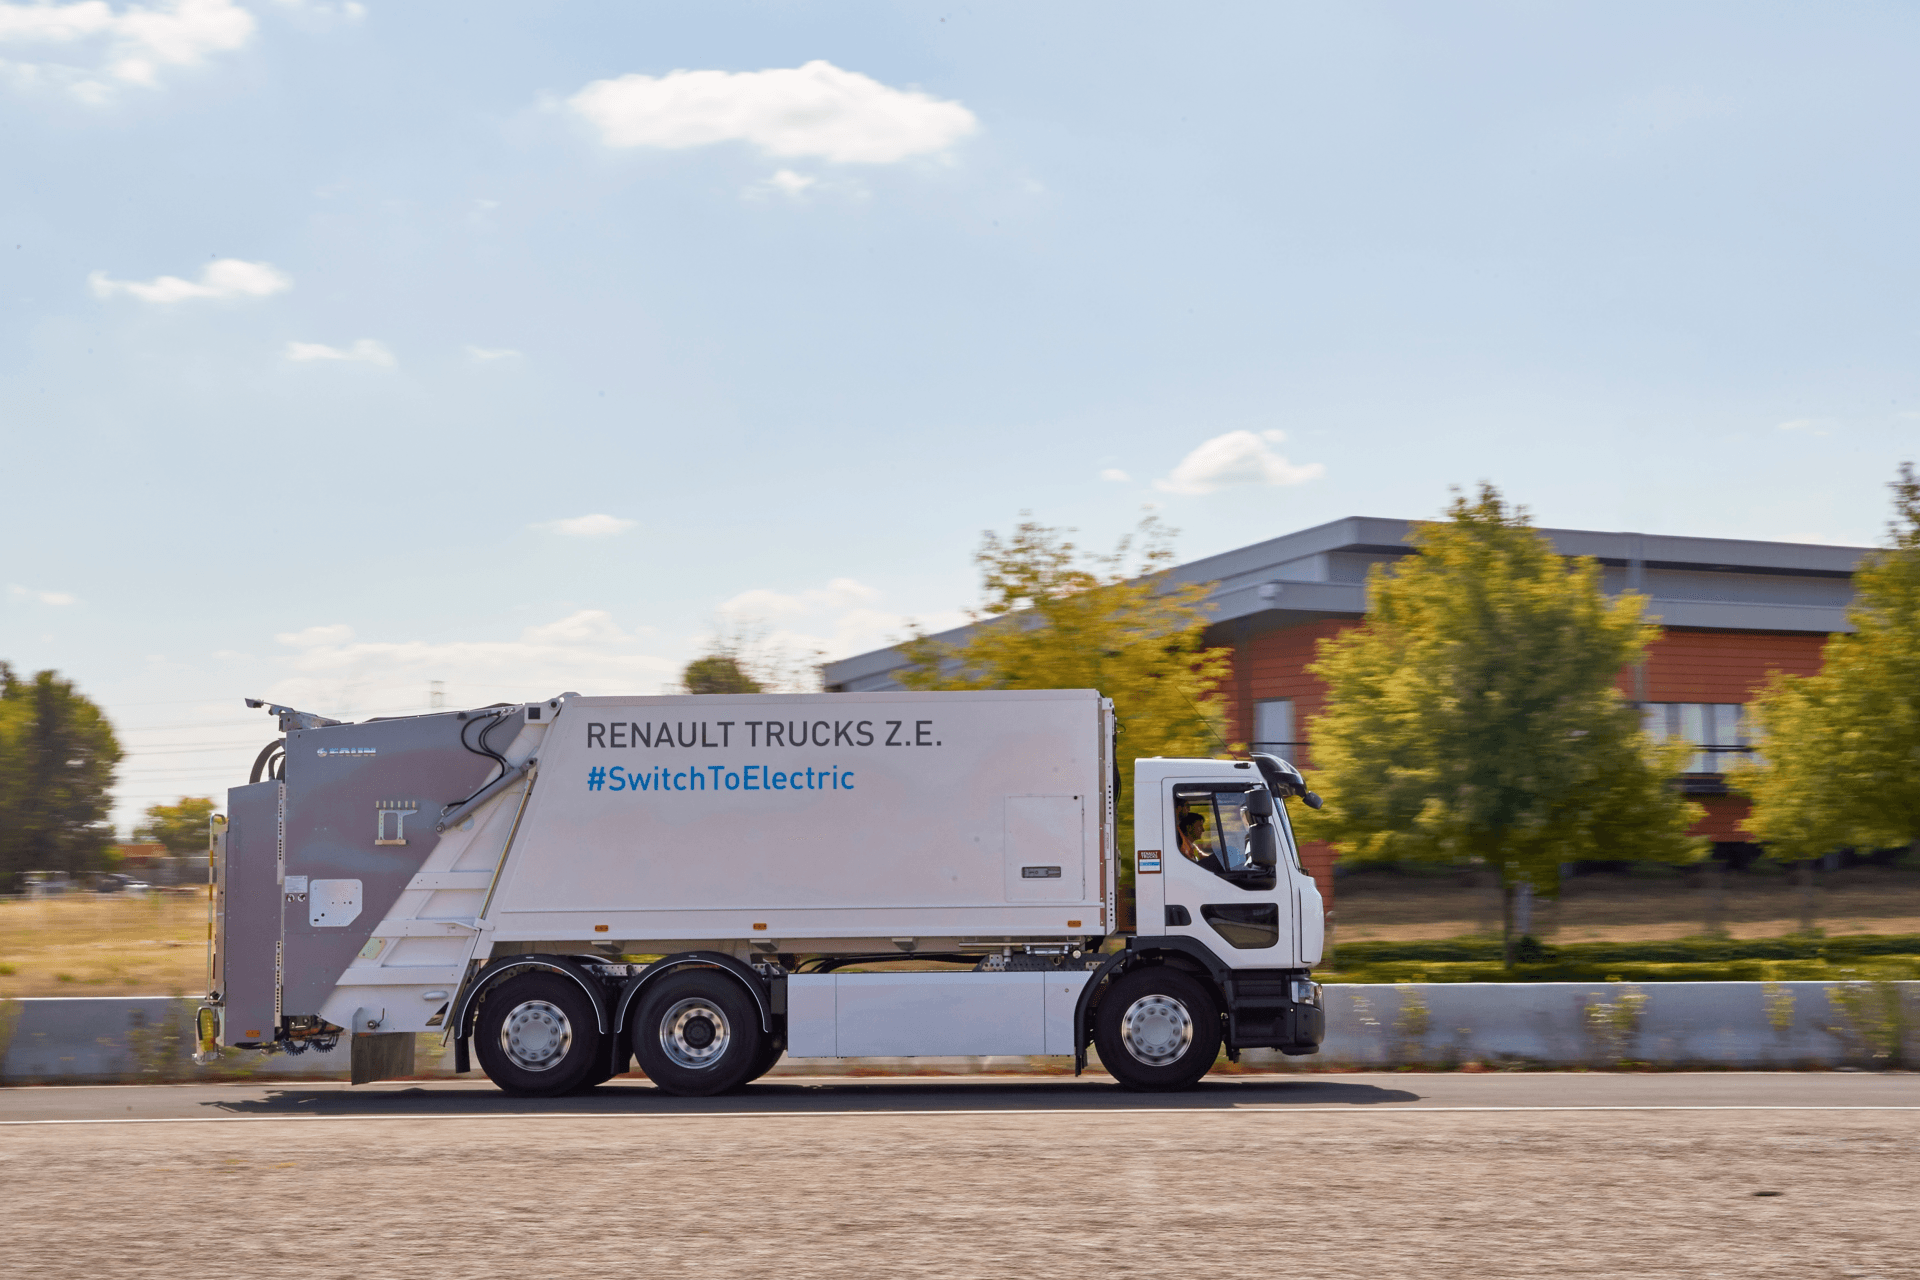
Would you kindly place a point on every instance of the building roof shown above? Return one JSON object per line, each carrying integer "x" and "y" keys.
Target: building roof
{"x": 1723, "y": 584}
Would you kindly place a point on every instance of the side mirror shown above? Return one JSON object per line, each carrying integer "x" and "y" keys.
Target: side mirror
{"x": 1313, "y": 800}
{"x": 1260, "y": 804}
{"x": 1263, "y": 846}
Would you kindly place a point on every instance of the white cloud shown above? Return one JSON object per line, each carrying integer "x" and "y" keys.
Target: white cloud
{"x": 844, "y": 617}
{"x": 54, "y": 23}
{"x": 1116, "y": 475}
{"x": 1236, "y": 458}
{"x": 794, "y": 186}
{"x": 365, "y": 351}
{"x": 585, "y": 651}
{"x": 314, "y": 637}
{"x": 104, "y": 48}
{"x": 840, "y": 593}
{"x": 227, "y": 278}
{"x": 345, "y": 11}
{"x": 55, "y": 598}
{"x": 813, "y": 110}
{"x": 589, "y": 626}
{"x": 491, "y": 355}
{"x": 786, "y": 182}
{"x": 593, "y": 526}
{"x": 1815, "y": 427}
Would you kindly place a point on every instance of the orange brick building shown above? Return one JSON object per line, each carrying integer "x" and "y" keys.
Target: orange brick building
{"x": 1731, "y": 612}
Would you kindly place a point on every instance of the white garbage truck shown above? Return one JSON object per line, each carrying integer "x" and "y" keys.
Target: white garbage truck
{"x": 705, "y": 883}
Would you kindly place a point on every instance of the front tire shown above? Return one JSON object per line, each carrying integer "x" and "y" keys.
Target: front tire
{"x": 698, "y": 1034}
{"x": 1157, "y": 1029}
{"x": 538, "y": 1036}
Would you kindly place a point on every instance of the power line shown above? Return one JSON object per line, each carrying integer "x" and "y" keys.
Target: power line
{"x": 187, "y": 751}
{"x": 171, "y": 760}
{"x": 151, "y": 779}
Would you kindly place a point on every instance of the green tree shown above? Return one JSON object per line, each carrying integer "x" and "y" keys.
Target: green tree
{"x": 181, "y": 826}
{"x": 1053, "y": 618}
{"x": 57, "y": 757}
{"x": 717, "y": 673}
{"x": 1842, "y": 748}
{"x": 742, "y": 655}
{"x": 1473, "y": 717}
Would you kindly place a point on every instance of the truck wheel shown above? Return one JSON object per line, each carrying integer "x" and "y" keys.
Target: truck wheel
{"x": 1157, "y": 1028}
{"x": 537, "y": 1036}
{"x": 698, "y": 1033}
{"x": 771, "y": 1051}
{"x": 603, "y": 1070}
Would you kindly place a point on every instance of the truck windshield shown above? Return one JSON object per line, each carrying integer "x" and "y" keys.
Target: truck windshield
{"x": 1288, "y": 849}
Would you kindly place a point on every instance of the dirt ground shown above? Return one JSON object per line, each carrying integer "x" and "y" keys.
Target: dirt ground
{"x": 103, "y": 945}
{"x": 1332, "y": 1195}
{"x": 1625, "y": 908}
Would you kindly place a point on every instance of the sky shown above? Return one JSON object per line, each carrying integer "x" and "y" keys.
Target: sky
{"x": 523, "y": 347}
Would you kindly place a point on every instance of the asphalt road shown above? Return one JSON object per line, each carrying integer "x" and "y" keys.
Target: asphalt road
{"x": 912, "y": 1095}
{"x": 1347, "y": 1177}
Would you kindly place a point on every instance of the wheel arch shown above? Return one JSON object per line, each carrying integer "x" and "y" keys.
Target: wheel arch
{"x": 1187, "y": 954}
{"x": 500, "y": 971}
{"x": 738, "y": 970}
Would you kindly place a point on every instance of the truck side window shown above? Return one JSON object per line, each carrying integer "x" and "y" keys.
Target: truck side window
{"x": 1199, "y": 832}
{"x": 1212, "y": 826}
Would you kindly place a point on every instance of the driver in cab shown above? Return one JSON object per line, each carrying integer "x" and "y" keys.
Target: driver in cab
{"x": 1192, "y": 826}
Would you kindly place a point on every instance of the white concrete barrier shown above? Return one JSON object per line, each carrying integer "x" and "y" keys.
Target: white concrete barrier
{"x": 107, "y": 1039}
{"x": 1548, "y": 1024}
{"x": 1601, "y": 1024}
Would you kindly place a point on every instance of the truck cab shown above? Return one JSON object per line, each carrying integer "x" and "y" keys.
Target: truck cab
{"x": 1216, "y": 861}
{"x": 1228, "y": 924}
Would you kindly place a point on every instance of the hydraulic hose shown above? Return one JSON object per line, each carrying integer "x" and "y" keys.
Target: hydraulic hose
{"x": 495, "y": 718}
{"x": 262, "y": 761}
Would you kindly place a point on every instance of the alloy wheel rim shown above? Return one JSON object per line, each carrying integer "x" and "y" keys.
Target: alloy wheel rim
{"x": 695, "y": 1033}
{"x": 536, "y": 1035}
{"x": 1156, "y": 1030}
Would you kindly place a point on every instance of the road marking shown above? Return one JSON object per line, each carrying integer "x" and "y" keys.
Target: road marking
{"x": 972, "y": 1114}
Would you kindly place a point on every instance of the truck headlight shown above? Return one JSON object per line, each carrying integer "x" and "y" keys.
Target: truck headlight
{"x": 1306, "y": 991}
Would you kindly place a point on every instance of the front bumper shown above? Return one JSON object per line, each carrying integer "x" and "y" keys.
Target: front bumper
{"x": 1280, "y": 1012}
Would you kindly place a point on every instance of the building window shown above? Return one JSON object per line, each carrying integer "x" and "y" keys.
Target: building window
{"x": 1719, "y": 729}
{"x": 1273, "y": 726}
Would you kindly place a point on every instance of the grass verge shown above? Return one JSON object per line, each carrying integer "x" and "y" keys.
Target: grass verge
{"x": 1477, "y": 959}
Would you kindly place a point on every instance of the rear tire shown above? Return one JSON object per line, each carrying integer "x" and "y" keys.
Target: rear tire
{"x": 1157, "y": 1029}
{"x": 538, "y": 1036}
{"x": 698, "y": 1033}
{"x": 605, "y": 1069}
{"x": 771, "y": 1051}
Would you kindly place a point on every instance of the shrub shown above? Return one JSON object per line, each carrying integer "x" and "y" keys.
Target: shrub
{"x": 1614, "y": 1025}
{"x": 1676, "y": 951}
{"x": 1874, "y": 1020}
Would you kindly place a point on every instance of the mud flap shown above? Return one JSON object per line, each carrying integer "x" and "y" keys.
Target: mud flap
{"x": 386, "y": 1055}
